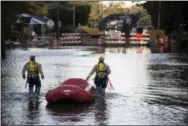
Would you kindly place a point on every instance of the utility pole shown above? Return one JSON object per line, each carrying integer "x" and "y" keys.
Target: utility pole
{"x": 95, "y": 1}
{"x": 159, "y": 16}
{"x": 102, "y": 10}
{"x": 148, "y": 21}
{"x": 73, "y": 22}
{"x": 57, "y": 35}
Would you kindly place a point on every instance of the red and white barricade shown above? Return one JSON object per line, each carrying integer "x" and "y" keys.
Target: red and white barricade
{"x": 53, "y": 44}
{"x": 71, "y": 39}
{"x": 114, "y": 38}
{"x": 139, "y": 38}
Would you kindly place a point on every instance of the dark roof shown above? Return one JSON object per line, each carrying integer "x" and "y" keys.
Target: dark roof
{"x": 43, "y": 19}
{"x": 119, "y": 16}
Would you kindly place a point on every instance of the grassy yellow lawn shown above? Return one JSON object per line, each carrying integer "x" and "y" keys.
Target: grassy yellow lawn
{"x": 91, "y": 31}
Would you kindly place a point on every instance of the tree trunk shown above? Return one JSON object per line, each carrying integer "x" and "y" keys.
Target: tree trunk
{"x": 3, "y": 48}
{"x": 3, "y": 54}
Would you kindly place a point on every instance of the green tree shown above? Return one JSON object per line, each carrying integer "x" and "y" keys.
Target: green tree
{"x": 173, "y": 13}
{"x": 9, "y": 10}
{"x": 82, "y": 10}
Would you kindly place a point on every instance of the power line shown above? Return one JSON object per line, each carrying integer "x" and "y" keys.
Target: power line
{"x": 51, "y": 4}
{"x": 57, "y": 21}
{"x": 52, "y": 7}
{"x": 66, "y": 8}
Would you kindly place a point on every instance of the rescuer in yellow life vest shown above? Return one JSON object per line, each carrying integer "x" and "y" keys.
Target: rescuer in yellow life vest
{"x": 102, "y": 70}
{"x": 33, "y": 69}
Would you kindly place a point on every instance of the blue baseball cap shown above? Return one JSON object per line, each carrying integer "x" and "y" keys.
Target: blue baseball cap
{"x": 32, "y": 57}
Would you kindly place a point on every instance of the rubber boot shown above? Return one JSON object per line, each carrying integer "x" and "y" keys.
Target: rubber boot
{"x": 37, "y": 92}
{"x": 103, "y": 91}
{"x": 30, "y": 92}
{"x": 96, "y": 93}
{"x": 99, "y": 92}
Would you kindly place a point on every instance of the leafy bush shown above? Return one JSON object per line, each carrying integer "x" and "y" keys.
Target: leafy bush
{"x": 14, "y": 35}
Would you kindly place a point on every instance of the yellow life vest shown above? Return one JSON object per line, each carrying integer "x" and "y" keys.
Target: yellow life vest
{"x": 101, "y": 72}
{"x": 101, "y": 67}
{"x": 32, "y": 69}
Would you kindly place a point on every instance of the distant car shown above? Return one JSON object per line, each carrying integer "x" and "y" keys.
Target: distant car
{"x": 83, "y": 32}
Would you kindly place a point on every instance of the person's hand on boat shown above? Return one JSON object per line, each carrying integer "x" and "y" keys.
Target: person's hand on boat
{"x": 23, "y": 76}
{"x": 42, "y": 76}
{"x": 87, "y": 78}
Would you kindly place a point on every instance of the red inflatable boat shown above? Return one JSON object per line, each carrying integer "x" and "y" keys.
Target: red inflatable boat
{"x": 75, "y": 89}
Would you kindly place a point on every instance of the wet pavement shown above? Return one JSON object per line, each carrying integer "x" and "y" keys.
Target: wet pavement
{"x": 149, "y": 88}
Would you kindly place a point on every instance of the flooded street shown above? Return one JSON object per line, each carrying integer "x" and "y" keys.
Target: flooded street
{"x": 149, "y": 89}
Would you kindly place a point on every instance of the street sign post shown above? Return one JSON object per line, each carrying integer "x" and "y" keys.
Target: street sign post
{"x": 50, "y": 24}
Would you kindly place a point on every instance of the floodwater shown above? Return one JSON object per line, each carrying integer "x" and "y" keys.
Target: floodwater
{"x": 149, "y": 88}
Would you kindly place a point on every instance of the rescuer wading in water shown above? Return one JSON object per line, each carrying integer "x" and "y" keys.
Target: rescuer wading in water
{"x": 101, "y": 78}
{"x": 33, "y": 70}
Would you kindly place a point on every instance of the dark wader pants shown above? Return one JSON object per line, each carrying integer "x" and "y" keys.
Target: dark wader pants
{"x": 34, "y": 81}
{"x": 101, "y": 84}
